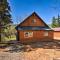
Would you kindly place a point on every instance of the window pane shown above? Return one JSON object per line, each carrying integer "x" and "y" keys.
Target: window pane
{"x": 30, "y": 34}
{"x": 26, "y": 34}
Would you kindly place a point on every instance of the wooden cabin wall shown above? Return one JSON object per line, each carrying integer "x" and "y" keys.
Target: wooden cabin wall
{"x": 57, "y": 35}
{"x": 37, "y": 36}
{"x": 28, "y": 22}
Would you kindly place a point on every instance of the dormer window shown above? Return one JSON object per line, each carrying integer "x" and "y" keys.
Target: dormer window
{"x": 34, "y": 21}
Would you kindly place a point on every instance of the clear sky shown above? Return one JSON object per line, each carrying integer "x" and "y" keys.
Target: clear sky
{"x": 46, "y": 9}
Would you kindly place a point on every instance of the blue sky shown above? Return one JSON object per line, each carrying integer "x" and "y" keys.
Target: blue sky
{"x": 46, "y": 9}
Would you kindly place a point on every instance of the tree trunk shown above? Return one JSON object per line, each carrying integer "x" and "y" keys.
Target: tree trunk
{"x": 0, "y": 37}
{"x": 0, "y": 34}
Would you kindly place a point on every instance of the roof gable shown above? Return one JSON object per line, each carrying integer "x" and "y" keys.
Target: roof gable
{"x": 28, "y": 21}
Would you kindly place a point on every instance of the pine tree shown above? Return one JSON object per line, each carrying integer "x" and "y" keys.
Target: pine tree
{"x": 5, "y": 17}
{"x": 54, "y": 24}
{"x": 58, "y": 20}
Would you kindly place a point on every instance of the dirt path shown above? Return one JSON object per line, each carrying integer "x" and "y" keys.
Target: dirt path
{"x": 35, "y": 51}
{"x": 38, "y": 54}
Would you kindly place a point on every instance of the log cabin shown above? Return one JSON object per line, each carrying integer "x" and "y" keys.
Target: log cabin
{"x": 33, "y": 29}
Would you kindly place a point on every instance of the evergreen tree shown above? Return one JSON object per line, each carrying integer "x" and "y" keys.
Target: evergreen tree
{"x": 5, "y": 17}
{"x": 58, "y": 19}
{"x": 54, "y": 23}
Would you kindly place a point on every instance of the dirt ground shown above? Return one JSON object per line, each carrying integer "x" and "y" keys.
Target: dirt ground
{"x": 33, "y": 52}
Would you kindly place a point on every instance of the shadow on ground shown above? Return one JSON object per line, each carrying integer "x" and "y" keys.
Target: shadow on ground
{"x": 18, "y": 47}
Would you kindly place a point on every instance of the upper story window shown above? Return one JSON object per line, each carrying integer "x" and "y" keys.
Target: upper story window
{"x": 34, "y": 21}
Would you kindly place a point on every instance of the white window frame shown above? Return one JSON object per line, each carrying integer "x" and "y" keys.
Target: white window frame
{"x": 30, "y": 34}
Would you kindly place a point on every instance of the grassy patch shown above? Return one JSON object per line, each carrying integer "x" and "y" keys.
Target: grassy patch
{"x": 11, "y": 38}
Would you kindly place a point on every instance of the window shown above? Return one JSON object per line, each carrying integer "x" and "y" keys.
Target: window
{"x": 45, "y": 33}
{"x": 34, "y": 21}
{"x": 28, "y": 34}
